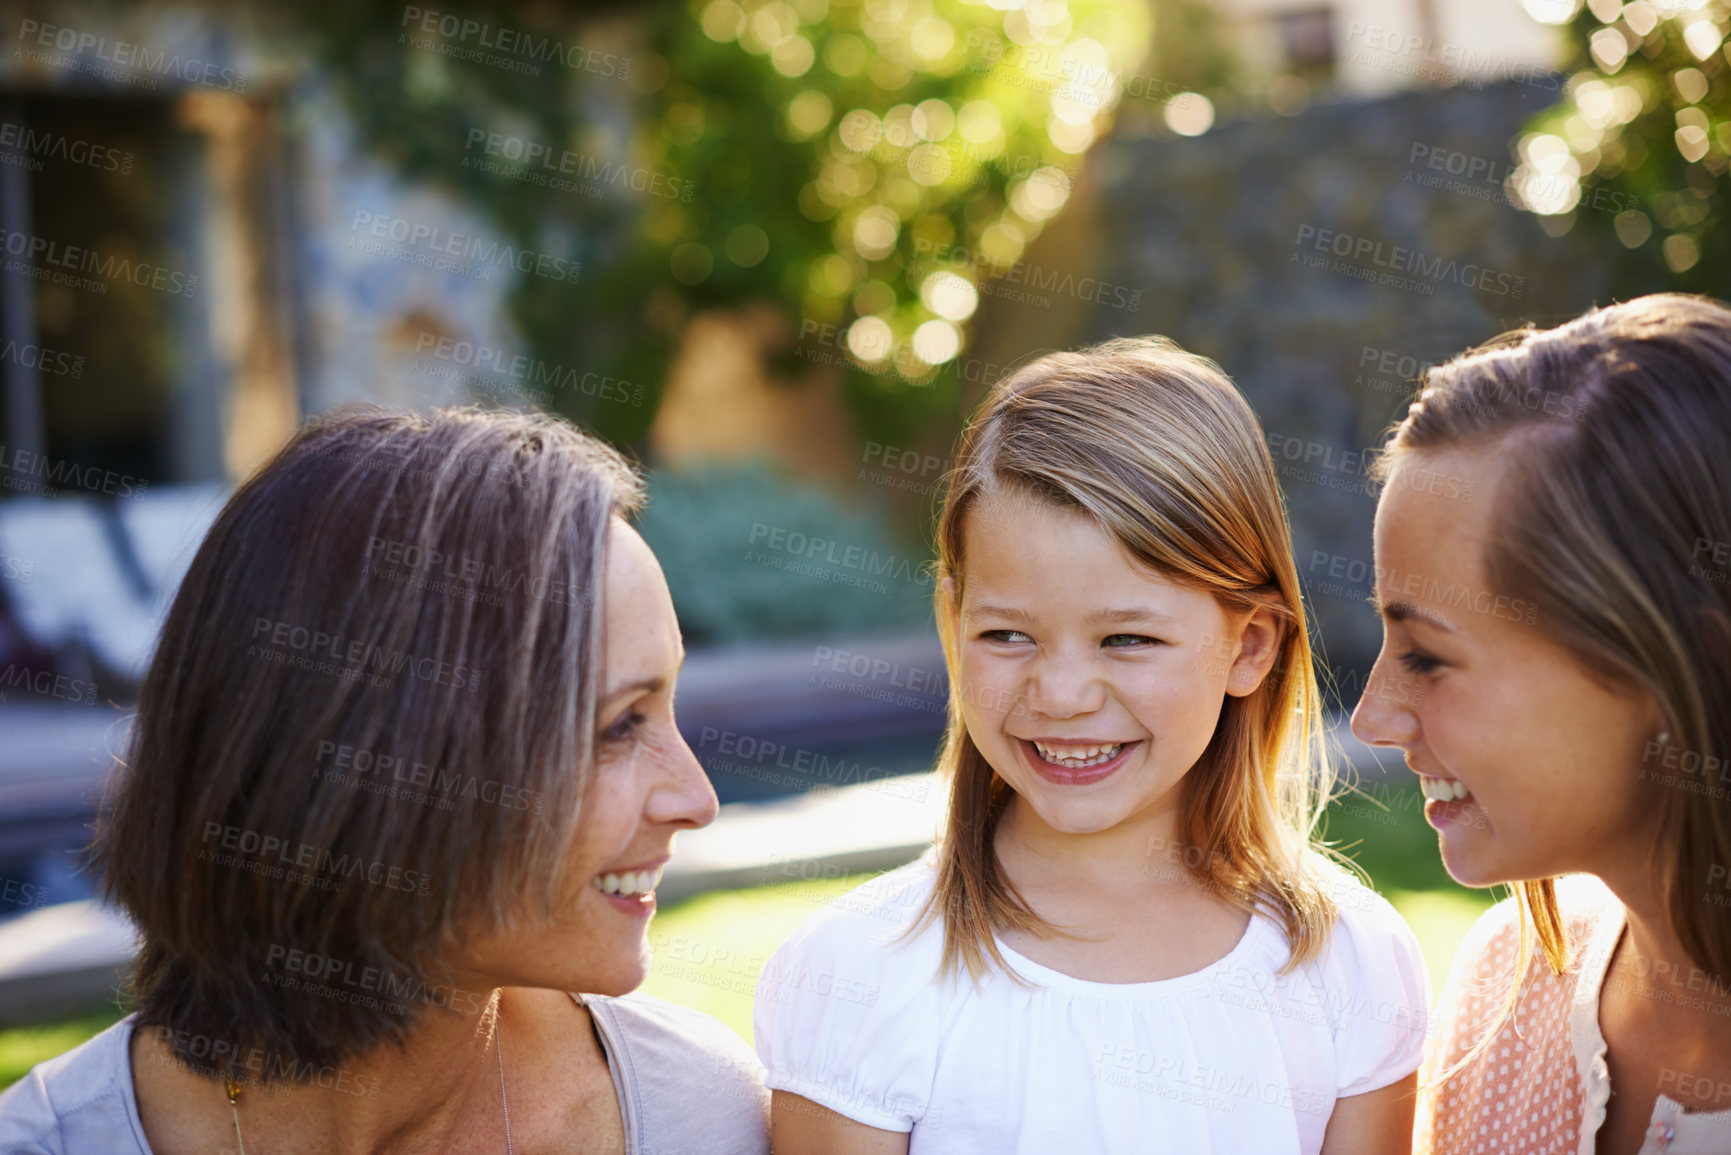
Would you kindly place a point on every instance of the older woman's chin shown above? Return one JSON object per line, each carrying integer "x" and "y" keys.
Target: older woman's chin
{"x": 623, "y": 978}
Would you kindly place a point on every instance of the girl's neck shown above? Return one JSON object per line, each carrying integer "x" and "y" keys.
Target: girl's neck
{"x": 1026, "y": 844}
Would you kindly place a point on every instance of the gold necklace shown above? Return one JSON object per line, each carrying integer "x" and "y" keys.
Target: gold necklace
{"x": 234, "y": 1089}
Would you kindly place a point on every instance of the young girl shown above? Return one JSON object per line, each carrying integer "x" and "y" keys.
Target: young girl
{"x": 1125, "y": 941}
{"x": 1593, "y": 740}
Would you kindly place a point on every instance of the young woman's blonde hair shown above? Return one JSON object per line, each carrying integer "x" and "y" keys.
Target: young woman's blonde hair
{"x": 1158, "y": 448}
{"x": 1617, "y": 426}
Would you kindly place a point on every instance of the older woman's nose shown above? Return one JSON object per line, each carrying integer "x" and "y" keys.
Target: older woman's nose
{"x": 683, "y": 796}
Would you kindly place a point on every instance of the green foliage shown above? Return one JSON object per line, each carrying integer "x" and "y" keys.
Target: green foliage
{"x": 867, "y": 164}
{"x": 749, "y": 556}
{"x": 1638, "y": 148}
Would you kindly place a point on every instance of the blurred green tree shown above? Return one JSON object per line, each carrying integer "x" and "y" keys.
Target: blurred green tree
{"x": 867, "y": 165}
{"x": 1640, "y": 144}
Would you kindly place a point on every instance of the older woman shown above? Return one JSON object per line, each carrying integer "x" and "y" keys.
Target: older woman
{"x": 1569, "y": 628}
{"x": 403, "y": 779}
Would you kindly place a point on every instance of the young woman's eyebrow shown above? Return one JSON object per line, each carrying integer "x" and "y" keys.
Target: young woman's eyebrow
{"x": 1408, "y": 612}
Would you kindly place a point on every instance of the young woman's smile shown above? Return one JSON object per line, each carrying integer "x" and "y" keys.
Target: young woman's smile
{"x": 1523, "y": 754}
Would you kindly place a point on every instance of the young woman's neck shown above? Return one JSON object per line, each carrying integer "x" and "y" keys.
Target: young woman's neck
{"x": 1654, "y": 954}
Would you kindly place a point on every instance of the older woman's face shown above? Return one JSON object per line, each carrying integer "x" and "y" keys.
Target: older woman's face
{"x": 1545, "y": 758}
{"x": 646, "y": 785}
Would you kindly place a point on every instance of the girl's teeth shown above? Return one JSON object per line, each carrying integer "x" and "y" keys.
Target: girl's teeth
{"x": 630, "y": 883}
{"x": 1443, "y": 789}
{"x": 1077, "y": 757}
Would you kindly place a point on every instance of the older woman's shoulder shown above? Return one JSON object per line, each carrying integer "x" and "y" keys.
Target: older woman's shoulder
{"x": 77, "y": 1101}
{"x": 687, "y": 1081}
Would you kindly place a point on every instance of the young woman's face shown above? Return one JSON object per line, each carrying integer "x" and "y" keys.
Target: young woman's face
{"x": 1546, "y": 755}
{"x": 1088, "y": 683}
{"x": 645, "y": 786}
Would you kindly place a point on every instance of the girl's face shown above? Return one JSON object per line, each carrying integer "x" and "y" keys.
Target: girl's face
{"x": 645, "y": 786}
{"x": 1090, "y": 684}
{"x": 1547, "y": 756}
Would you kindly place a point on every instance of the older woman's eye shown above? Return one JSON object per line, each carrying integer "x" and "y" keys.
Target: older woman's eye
{"x": 624, "y": 728}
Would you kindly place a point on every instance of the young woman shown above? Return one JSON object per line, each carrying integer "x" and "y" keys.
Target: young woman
{"x": 1571, "y": 628}
{"x": 1126, "y": 940}
{"x": 403, "y": 778}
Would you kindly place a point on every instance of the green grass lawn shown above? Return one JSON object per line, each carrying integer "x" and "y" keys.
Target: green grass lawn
{"x": 709, "y": 949}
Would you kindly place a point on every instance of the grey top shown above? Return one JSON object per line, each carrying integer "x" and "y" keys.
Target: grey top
{"x": 685, "y": 1082}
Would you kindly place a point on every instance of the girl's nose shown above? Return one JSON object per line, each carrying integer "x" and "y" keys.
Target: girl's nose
{"x": 1064, "y": 687}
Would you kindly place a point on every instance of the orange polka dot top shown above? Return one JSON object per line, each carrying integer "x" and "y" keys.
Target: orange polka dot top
{"x": 1541, "y": 1086}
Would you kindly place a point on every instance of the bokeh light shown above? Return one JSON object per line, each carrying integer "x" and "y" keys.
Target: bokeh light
{"x": 1189, "y": 114}
{"x": 950, "y": 296}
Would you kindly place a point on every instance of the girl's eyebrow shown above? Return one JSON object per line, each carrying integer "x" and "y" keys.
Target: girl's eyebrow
{"x": 1128, "y": 614}
{"x": 991, "y": 611}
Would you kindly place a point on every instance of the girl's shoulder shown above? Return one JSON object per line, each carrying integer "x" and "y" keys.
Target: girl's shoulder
{"x": 1368, "y": 934}
{"x": 1375, "y": 983}
{"x": 849, "y": 1010}
{"x": 871, "y": 920}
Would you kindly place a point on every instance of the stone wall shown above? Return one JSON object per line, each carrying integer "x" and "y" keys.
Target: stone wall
{"x": 1220, "y": 234}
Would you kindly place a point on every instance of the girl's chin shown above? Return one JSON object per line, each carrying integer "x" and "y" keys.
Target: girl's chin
{"x": 1091, "y": 816}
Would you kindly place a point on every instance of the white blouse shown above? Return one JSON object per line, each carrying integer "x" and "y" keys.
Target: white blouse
{"x": 1231, "y": 1058}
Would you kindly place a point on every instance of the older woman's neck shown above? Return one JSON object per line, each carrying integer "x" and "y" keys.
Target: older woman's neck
{"x": 439, "y": 1090}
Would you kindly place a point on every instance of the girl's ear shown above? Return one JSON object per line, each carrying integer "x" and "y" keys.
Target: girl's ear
{"x": 1258, "y": 645}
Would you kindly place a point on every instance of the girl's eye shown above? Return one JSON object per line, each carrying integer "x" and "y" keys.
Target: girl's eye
{"x": 1126, "y": 641}
{"x": 624, "y": 727}
{"x": 1005, "y": 636}
{"x": 1419, "y": 663}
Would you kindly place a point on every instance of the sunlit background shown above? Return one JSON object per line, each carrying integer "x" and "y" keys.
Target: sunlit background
{"x": 777, "y": 250}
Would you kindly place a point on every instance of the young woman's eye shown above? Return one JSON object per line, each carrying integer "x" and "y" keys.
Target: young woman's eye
{"x": 1004, "y": 636}
{"x": 624, "y": 728}
{"x": 1128, "y": 641}
{"x": 1419, "y": 663}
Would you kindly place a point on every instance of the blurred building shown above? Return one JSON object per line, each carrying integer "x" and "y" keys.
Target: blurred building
{"x": 1375, "y": 47}
{"x": 202, "y": 251}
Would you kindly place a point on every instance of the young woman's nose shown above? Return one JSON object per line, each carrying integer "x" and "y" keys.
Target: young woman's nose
{"x": 1384, "y": 715}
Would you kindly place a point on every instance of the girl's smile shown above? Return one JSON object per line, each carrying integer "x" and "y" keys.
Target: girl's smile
{"x": 1072, "y": 655}
{"x": 1070, "y": 762}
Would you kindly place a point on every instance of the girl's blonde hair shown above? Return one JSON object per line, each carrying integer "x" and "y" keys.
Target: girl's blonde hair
{"x": 1158, "y": 448}
{"x": 1617, "y": 427}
